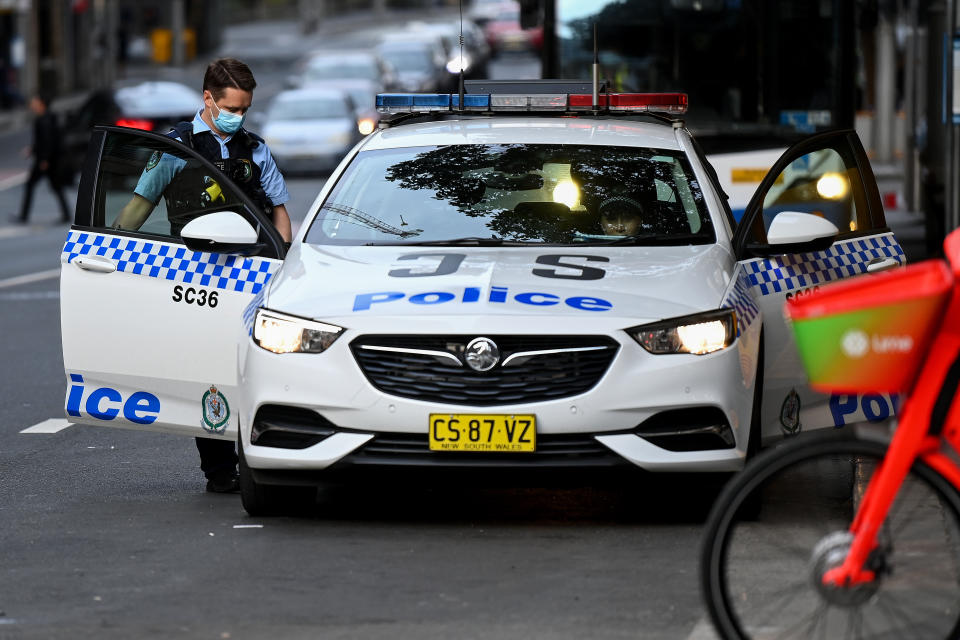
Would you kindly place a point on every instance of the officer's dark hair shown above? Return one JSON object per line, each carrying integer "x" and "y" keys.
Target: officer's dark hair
{"x": 226, "y": 73}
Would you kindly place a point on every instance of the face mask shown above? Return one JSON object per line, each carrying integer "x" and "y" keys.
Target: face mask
{"x": 228, "y": 122}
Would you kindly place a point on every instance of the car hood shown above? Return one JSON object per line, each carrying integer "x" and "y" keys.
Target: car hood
{"x": 359, "y": 286}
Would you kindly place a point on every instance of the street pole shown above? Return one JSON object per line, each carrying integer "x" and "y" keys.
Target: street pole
{"x": 177, "y": 22}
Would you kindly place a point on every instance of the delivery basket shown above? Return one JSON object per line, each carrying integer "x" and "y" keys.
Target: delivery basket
{"x": 870, "y": 333}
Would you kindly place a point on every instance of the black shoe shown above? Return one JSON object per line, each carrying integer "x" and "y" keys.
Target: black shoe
{"x": 224, "y": 482}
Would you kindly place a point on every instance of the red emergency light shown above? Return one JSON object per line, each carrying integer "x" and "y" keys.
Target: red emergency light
{"x": 135, "y": 123}
{"x": 672, "y": 103}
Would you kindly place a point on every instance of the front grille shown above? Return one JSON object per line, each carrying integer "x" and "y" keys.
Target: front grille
{"x": 553, "y": 451}
{"x": 401, "y": 368}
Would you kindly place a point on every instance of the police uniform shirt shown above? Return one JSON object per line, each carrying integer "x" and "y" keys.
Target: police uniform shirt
{"x": 156, "y": 177}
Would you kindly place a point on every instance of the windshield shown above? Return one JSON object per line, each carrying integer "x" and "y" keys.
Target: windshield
{"x": 308, "y": 109}
{"x": 333, "y": 69}
{"x": 410, "y": 59}
{"x": 516, "y": 193}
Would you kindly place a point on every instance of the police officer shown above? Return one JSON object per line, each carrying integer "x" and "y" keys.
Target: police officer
{"x": 217, "y": 133}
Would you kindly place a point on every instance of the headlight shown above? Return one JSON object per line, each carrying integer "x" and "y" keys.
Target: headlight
{"x": 833, "y": 186}
{"x": 366, "y": 126}
{"x": 698, "y": 334}
{"x": 281, "y": 333}
{"x": 459, "y": 62}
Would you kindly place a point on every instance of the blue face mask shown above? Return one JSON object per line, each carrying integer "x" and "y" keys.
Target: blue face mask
{"x": 228, "y": 122}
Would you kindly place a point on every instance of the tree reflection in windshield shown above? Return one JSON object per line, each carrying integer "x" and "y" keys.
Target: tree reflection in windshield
{"x": 524, "y": 192}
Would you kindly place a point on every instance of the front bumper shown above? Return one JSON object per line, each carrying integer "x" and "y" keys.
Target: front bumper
{"x": 659, "y": 413}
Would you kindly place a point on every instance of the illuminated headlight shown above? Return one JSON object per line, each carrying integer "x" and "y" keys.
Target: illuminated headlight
{"x": 458, "y": 63}
{"x": 281, "y": 333}
{"x": 832, "y": 186}
{"x": 698, "y": 334}
{"x": 366, "y": 126}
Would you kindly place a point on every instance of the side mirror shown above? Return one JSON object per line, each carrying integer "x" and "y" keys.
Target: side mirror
{"x": 220, "y": 232}
{"x": 796, "y": 232}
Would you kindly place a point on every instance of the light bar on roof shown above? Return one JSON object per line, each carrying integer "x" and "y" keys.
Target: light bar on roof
{"x": 668, "y": 103}
{"x": 412, "y": 102}
{"x": 471, "y": 102}
{"x": 524, "y": 102}
{"x": 672, "y": 103}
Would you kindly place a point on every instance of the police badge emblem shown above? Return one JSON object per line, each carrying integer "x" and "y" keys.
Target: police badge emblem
{"x": 216, "y": 411}
{"x": 154, "y": 160}
{"x": 244, "y": 171}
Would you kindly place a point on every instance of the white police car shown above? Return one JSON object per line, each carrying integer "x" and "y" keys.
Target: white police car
{"x": 528, "y": 282}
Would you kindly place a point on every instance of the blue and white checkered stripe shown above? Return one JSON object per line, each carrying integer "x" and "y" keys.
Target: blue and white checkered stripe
{"x": 250, "y": 313}
{"x": 174, "y": 262}
{"x": 779, "y": 274}
{"x": 740, "y": 300}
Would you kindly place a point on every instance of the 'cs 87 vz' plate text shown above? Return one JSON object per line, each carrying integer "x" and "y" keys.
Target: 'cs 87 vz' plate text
{"x": 483, "y": 432}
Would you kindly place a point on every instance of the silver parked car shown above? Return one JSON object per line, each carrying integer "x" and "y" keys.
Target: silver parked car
{"x": 310, "y": 130}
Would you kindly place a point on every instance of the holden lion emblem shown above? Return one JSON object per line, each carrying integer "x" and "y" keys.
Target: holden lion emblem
{"x": 216, "y": 411}
{"x": 481, "y": 354}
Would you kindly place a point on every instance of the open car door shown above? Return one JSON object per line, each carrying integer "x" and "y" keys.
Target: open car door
{"x": 817, "y": 217}
{"x": 150, "y": 325}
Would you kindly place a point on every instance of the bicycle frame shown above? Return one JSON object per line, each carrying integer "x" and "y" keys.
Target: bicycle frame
{"x": 928, "y": 419}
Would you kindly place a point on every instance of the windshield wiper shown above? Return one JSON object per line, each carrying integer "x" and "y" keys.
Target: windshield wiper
{"x": 492, "y": 241}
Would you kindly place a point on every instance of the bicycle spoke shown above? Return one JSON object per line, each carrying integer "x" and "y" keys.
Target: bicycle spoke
{"x": 854, "y": 625}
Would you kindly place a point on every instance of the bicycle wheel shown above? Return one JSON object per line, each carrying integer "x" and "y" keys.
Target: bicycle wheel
{"x": 781, "y": 523}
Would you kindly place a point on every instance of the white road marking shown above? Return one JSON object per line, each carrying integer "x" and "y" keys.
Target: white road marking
{"x": 13, "y": 181}
{"x": 703, "y": 631}
{"x": 52, "y": 425}
{"x": 14, "y": 231}
{"x": 16, "y": 281}
{"x": 31, "y": 295}
{"x": 248, "y": 526}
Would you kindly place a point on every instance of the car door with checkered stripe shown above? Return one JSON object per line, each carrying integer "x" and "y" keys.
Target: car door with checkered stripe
{"x": 151, "y": 327}
{"x": 827, "y": 175}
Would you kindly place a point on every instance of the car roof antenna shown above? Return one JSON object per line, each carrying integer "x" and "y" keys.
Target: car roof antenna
{"x": 462, "y": 65}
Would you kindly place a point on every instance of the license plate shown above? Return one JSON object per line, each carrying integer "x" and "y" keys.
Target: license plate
{"x": 483, "y": 432}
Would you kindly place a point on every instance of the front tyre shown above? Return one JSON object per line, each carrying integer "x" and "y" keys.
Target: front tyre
{"x": 759, "y": 571}
{"x": 260, "y": 499}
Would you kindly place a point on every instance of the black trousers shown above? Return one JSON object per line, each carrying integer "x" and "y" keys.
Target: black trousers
{"x": 216, "y": 456}
{"x": 53, "y": 177}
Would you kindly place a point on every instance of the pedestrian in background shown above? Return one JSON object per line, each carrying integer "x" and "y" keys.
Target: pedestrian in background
{"x": 45, "y": 151}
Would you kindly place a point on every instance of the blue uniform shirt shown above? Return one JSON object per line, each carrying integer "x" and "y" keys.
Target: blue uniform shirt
{"x": 159, "y": 173}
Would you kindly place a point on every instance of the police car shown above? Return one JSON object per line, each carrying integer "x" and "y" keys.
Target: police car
{"x": 543, "y": 278}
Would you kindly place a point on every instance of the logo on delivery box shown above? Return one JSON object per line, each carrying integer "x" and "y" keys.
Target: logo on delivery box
{"x": 856, "y": 343}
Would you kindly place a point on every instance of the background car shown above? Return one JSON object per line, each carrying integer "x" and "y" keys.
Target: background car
{"x": 419, "y": 58}
{"x": 325, "y": 66}
{"x": 151, "y": 106}
{"x": 363, "y": 94}
{"x": 474, "y": 57}
{"x": 309, "y": 130}
{"x": 504, "y": 32}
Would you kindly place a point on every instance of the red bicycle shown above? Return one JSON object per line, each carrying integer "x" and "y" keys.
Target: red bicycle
{"x": 854, "y": 532}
